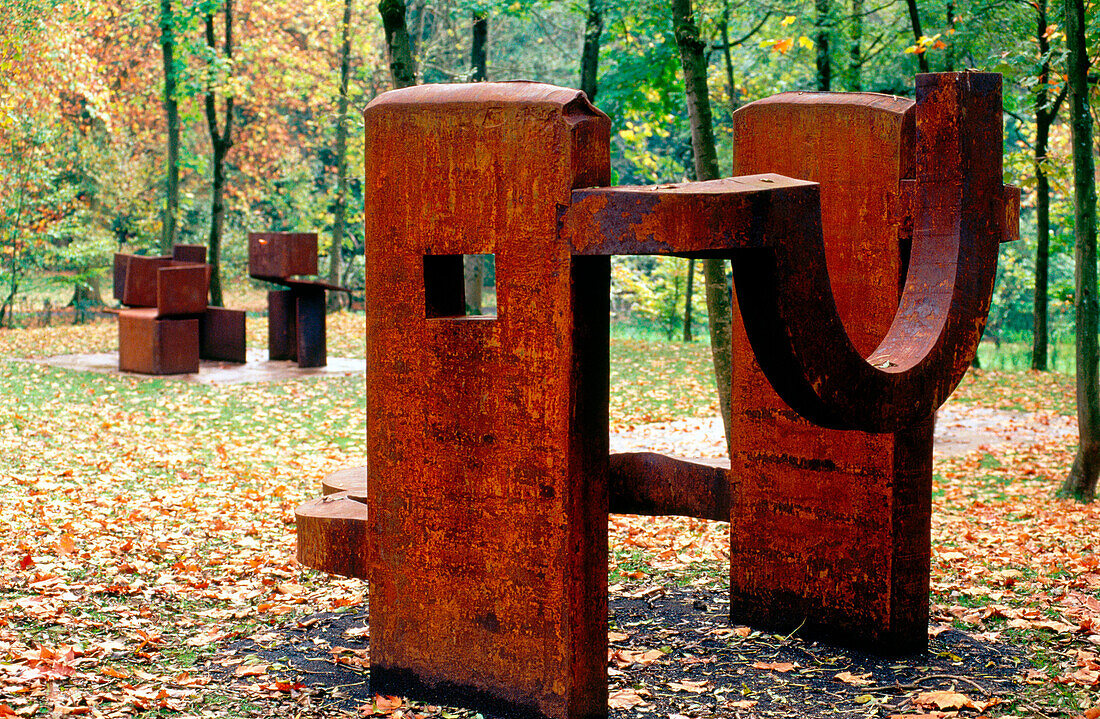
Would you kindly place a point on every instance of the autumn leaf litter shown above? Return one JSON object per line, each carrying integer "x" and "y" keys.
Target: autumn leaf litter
{"x": 149, "y": 563}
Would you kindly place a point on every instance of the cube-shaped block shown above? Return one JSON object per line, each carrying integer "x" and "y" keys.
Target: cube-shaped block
{"x": 282, "y": 254}
{"x": 181, "y": 289}
{"x": 189, "y": 253}
{"x": 151, "y": 345}
{"x": 140, "y": 283}
{"x": 222, "y": 335}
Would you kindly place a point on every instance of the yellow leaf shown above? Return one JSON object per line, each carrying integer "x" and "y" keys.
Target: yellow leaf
{"x": 788, "y": 20}
{"x": 806, "y": 42}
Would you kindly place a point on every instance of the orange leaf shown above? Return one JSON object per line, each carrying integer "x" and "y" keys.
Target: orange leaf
{"x": 774, "y": 666}
{"x": 783, "y": 45}
{"x": 944, "y": 700}
{"x": 66, "y": 545}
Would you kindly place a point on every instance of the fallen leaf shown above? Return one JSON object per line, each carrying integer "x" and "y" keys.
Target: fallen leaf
{"x": 945, "y": 700}
{"x": 781, "y": 667}
{"x": 625, "y": 699}
{"x": 856, "y": 679}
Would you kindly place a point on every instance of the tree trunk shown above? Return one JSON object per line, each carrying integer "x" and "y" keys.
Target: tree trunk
{"x": 727, "y": 57}
{"x": 687, "y": 300}
{"x": 855, "y": 48}
{"x": 719, "y": 308}
{"x": 821, "y": 29}
{"x": 1045, "y": 114}
{"x": 590, "y": 54}
{"x": 221, "y": 140}
{"x": 1081, "y": 481}
{"x": 402, "y": 66}
{"x": 169, "y": 230}
{"x": 914, "y": 19}
{"x": 340, "y": 205}
{"x": 479, "y": 48}
{"x": 949, "y": 52}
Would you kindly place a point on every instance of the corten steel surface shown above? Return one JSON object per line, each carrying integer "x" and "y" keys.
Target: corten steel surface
{"x": 282, "y": 325}
{"x": 151, "y": 345}
{"x": 181, "y": 289}
{"x": 487, "y": 439}
{"x": 189, "y": 253}
{"x": 656, "y": 485}
{"x": 140, "y": 282}
{"x": 170, "y": 291}
{"x": 353, "y": 479}
{"x": 638, "y": 483}
{"x": 333, "y": 535}
{"x": 222, "y": 335}
{"x": 826, "y": 519}
{"x": 312, "y": 349}
{"x": 296, "y": 315}
{"x": 280, "y": 255}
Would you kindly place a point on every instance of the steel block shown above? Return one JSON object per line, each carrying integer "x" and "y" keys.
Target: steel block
{"x": 281, "y": 255}
{"x": 222, "y": 335}
{"x": 181, "y": 289}
{"x": 151, "y": 345}
{"x": 282, "y": 325}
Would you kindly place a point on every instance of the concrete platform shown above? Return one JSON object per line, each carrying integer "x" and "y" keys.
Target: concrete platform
{"x": 258, "y": 368}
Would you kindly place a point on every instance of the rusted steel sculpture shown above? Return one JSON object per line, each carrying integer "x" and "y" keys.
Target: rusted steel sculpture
{"x": 296, "y": 315}
{"x": 483, "y": 528}
{"x": 167, "y": 327}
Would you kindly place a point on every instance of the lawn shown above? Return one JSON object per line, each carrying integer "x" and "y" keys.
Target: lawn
{"x": 149, "y": 534}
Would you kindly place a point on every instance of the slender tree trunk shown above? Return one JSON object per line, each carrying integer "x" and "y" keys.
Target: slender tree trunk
{"x": 479, "y": 48}
{"x": 855, "y": 48}
{"x": 221, "y": 140}
{"x": 402, "y": 66}
{"x": 727, "y": 57}
{"x": 914, "y": 19}
{"x": 821, "y": 30}
{"x": 169, "y": 230}
{"x": 687, "y": 300}
{"x": 1039, "y": 345}
{"x": 1081, "y": 481}
{"x": 949, "y": 54}
{"x": 719, "y": 307}
{"x": 340, "y": 206}
{"x": 590, "y": 53}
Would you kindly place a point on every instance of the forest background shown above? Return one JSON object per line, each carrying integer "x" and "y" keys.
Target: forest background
{"x": 84, "y": 149}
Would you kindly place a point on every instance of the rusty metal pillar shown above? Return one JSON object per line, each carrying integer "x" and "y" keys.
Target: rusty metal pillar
{"x": 487, "y": 437}
{"x": 282, "y": 325}
{"x": 311, "y": 345}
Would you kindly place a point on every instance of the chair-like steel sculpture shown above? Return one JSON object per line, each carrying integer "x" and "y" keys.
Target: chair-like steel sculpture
{"x": 166, "y": 326}
{"x": 483, "y": 527}
{"x": 296, "y": 314}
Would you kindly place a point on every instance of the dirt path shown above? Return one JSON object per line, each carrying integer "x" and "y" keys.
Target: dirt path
{"x": 960, "y": 428}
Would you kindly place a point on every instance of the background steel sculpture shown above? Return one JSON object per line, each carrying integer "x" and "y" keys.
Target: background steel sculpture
{"x": 295, "y": 315}
{"x": 167, "y": 326}
{"x": 483, "y": 528}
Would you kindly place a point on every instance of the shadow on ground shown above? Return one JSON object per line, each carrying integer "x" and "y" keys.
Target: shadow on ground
{"x": 681, "y": 656}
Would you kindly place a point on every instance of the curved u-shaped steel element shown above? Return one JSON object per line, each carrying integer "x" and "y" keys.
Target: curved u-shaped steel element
{"x": 787, "y": 304}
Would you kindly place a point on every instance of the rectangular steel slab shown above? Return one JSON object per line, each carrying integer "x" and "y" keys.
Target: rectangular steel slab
{"x": 222, "y": 335}
{"x": 488, "y": 555}
{"x": 280, "y": 255}
{"x": 832, "y": 530}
